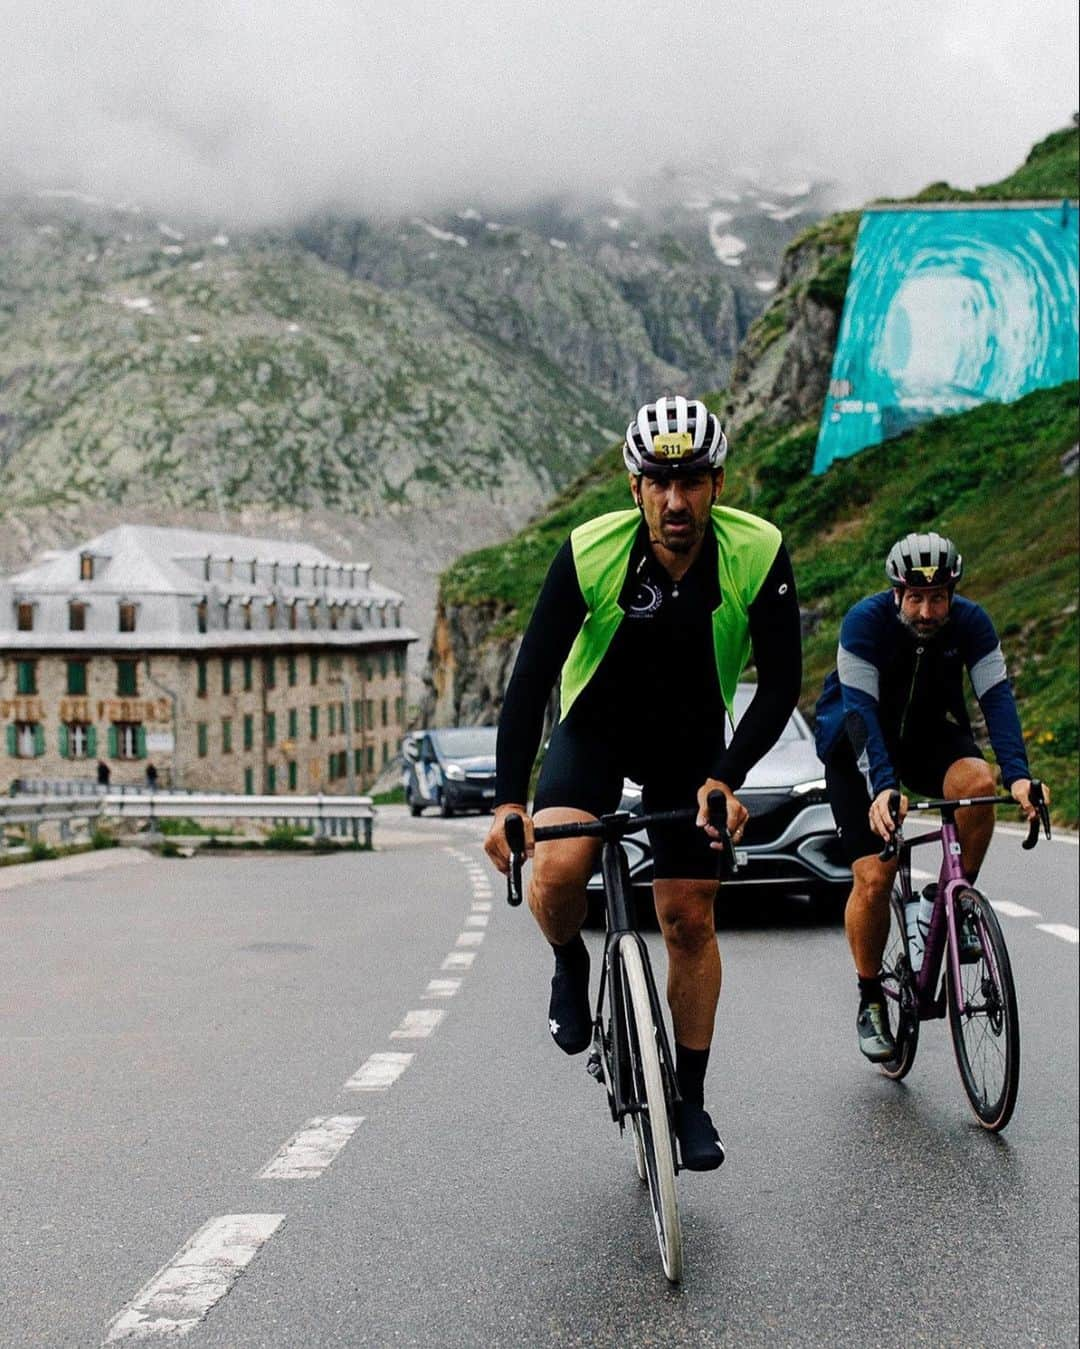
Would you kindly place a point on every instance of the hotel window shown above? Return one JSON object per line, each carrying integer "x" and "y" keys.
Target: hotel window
{"x": 127, "y": 678}
{"x": 294, "y": 615}
{"x": 290, "y": 665}
{"x": 226, "y": 674}
{"x": 76, "y": 676}
{"x": 313, "y": 662}
{"x": 357, "y": 714}
{"x": 86, "y": 566}
{"x": 296, "y": 574}
{"x": 24, "y": 616}
{"x": 271, "y": 779}
{"x": 201, "y": 616}
{"x": 202, "y": 739}
{"x": 313, "y": 721}
{"x": 200, "y": 676}
{"x": 206, "y": 568}
{"x": 127, "y": 740}
{"x": 226, "y": 735}
{"x": 249, "y": 731}
{"x": 249, "y": 781}
{"x": 248, "y": 679}
{"x": 382, "y": 663}
{"x": 26, "y": 676}
{"x": 254, "y": 564}
{"x": 127, "y": 617}
{"x": 293, "y": 776}
{"x": 294, "y": 723}
{"x": 313, "y": 615}
{"x": 25, "y": 739}
{"x": 399, "y": 662}
{"x": 76, "y": 616}
{"x": 333, "y": 617}
{"x": 78, "y": 740}
{"x": 246, "y": 609}
{"x": 385, "y": 713}
{"x": 331, "y": 719}
{"x": 271, "y": 614}
{"x": 269, "y": 672}
{"x": 271, "y": 728}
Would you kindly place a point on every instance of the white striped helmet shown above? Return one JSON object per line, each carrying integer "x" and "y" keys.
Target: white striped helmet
{"x": 924, "y": 560}
{"x": 674, "y": 435}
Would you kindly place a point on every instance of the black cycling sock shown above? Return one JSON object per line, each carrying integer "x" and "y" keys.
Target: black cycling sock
{"x": 569, "y": 1018}
{"x": 870, "y": 991}
{"x": 690, "y": 1065}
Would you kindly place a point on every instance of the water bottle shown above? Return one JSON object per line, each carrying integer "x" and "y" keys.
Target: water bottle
{"x": 917, "y": 919}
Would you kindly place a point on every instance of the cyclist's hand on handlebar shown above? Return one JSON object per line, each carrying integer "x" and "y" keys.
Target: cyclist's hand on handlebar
{"x": 881, "y": 820}
{"x": 1020, "y": 792}
{"x": 737, "y": 814}
{"x": 496, "y": 846}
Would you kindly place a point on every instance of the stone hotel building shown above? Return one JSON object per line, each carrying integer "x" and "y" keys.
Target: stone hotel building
{"x": 231, "y": 664}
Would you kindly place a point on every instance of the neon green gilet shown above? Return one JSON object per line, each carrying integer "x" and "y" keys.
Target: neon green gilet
{"x": 746, "y": 547}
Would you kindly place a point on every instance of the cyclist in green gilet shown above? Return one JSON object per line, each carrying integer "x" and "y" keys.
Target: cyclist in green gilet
{"x": 646, "y": 620}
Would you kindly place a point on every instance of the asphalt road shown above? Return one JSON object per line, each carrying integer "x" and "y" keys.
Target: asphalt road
{"x": 167, "y": 1028}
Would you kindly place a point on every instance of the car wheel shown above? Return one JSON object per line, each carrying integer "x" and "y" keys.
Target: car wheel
{"x": 445, "y": 808}
{"x": 415, "y": 807}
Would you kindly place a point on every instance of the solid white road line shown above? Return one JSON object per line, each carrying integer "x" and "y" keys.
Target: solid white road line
{"x": 476, "y": 920}
{"x": 469, "y": 939}
{"x": 442, "y": 988}
{"x": 200, "y": 1274}
{"x": 459, "y": 960}
{"x": 1058, "y": 836}
{"x": 379, "y": 1072}
{"x": 1063, "y": 930}
{"x": 419, "y": 1024}
{"x": 308, "y": 1153}
{"x": 1011, "y": 910}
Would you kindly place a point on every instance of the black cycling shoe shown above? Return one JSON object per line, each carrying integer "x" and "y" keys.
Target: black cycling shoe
{"x": 569, "y": 1018}
{"x": 875, "y": 1037}
{"x": 699, "y": 1144}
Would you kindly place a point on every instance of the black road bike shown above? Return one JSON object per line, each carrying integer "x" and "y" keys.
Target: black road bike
{"x": 631, "y": 1054}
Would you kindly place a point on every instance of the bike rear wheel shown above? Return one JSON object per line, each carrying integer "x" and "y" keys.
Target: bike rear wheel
{"x": 986, "y": 1034}
{"x": 901, "y": 998}
{"x": 651, "y": 1122}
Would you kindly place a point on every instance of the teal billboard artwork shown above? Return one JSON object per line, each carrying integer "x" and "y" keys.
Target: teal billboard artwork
{"x": 947, "y": 308}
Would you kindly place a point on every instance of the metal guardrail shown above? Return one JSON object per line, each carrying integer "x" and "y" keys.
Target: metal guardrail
{"x": 328, "y": 816}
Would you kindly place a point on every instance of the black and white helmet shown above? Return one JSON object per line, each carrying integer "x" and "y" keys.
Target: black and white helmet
{"x": 674, "y": 435}
{"x": 924, "y": 560}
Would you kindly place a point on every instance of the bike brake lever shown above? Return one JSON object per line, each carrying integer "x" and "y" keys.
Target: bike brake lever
{"x": 726, "y": 866}
{"x": 514, "y": 827}
{"x": 892, "y": 844}
{"x": 1042, "y": 818}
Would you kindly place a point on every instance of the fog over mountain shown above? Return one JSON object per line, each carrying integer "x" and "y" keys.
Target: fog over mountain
{"x": 255, "y": 112}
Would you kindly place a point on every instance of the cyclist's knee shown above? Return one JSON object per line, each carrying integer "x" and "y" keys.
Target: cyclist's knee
{"x": 969, "y": 777}
{"x": 872, "y": 880}
{"x": 559, "y": 875}
{"x": 686, "y": 916}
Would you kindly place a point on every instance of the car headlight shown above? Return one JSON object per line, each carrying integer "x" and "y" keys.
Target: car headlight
{"x": 805, "y": 788}
{"x": 454, "y": 772}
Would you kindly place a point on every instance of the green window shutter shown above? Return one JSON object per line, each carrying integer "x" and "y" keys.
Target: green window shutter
{"x": 39, "y": 739}
{"x": 271, "y": 780}
{"x": 63, "y": 738}
{"x": 91, "y": 742}
{"x": 226, "y": 675}
{"x": 292, "y": 775}
{"x": 12, "y": 740}
{"x": 271, "y": 728}
{"x": 140, "y": 742}
{"x": 294, "y": 724}
{"x": 114, "y": 742}
{"x": 249, "y": 782}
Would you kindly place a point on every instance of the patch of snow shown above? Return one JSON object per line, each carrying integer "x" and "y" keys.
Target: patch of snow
{"x": 633, "y": 244}
{"x": 141, "y": 304}
{"x": 507, "y": 271}
{"x": 174, "y": 250}
{"x": 623, "y": 200}
{"x": 493, "y": 226}
{"x": 47, "y": 229}
{"x": 197, "y": 266}
{"x": 766, "y": 284}
{"x": 444, "y": 236}
{"x": 722, "y": 194}
{"x": 90, "y": 257}
{"x": 727, "y": 247}
{"x": 786, "y": 213}
{"x": 794, "y": 190}
{"x": 718, "y": 218}
{"x": 193, "y": 338}
{"x": 220, "y": 240}
{"x": 526, "y": 252}
{"x": 558, "y": 243}
{"x": 768, "y": 206}
{"x": 432, "y": 255}
{"x": 169, "y": 232}
{"x": 292, "y": 327}
{"x": 612, "y": 222}
{"x": 469, "y": 213}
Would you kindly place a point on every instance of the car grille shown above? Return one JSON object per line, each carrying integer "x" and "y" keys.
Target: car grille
{"x": 770, "y": 815}
{"x": 480, "y": 777}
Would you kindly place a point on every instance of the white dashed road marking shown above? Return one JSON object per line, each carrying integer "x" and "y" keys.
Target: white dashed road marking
{"x": 379, "y": 1072}
{"x": 308, "y": 1153}
{"x": 418, "y": 1025}
{"x": 1063, "y": 930}
{"x": 481, "y": 906}
{"x": 459, "y": 960}
{"x": 1011, "y": 910}
{"x": 442, "y": 988}
{"x": 469, "y": 939}
{"x": 200, "y": 1274}
{"x": 476, "y": 920}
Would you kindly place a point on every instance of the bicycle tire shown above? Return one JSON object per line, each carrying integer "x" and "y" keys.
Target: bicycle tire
{"x": 986, "y": 1037}
{"x": 901, "y": 998}
{"x": 653, "y": 1124}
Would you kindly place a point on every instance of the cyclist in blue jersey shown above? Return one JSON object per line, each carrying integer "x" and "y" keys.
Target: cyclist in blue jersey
{"x": 893, "y": 711}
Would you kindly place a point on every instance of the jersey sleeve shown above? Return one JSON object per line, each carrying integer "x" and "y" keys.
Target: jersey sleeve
{"x": 859, "y": 674}
{"x": 990, "y": 682}
{"x": 775, "y": 635}
{"x": 555, "y": 622}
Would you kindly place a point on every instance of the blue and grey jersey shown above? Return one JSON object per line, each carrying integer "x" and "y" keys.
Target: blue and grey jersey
{"x": 891, "y": 687}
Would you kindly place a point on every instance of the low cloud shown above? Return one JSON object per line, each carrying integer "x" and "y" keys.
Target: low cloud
{"x": 255, "y": 112}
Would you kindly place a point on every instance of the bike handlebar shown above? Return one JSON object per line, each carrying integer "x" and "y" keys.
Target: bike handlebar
{"x": 613, "y": 827}
{"x": 1038, "y": 800}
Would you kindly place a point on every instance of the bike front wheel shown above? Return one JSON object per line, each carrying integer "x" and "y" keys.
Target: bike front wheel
{"x": 651, "y": 1122}
{"x": 986, "y": 1033}
{"x": 901, "y": 998}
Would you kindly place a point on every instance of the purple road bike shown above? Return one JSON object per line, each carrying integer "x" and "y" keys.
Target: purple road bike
{"x": 965, "y": 971}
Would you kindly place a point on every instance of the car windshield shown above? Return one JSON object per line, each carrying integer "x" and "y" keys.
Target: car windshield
{"x": 466, "y": 742}
{"x": 743, "y": 695}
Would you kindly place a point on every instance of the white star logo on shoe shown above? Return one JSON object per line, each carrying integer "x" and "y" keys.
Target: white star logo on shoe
{"x": 553, "y": 1026}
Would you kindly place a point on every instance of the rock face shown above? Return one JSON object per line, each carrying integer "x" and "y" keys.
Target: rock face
{"x": 466, "y": 672}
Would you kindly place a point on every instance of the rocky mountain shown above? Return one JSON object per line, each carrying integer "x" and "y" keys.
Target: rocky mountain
{"x": 399, "y": 391}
